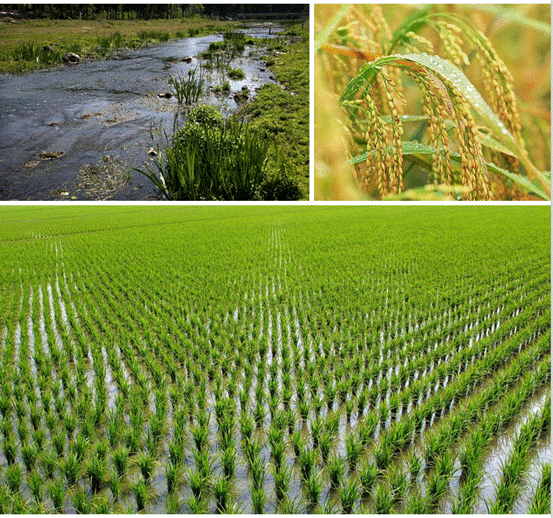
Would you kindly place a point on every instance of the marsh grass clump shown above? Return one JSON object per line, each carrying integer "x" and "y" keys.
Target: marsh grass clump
{"x": 413, "y": 120}
{"x": 188, "y": 90}
{"x": 236, "y": 73}
{"x": 213, "y": 159}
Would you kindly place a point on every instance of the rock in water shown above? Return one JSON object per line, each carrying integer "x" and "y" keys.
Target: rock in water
{"x": 71, "y": 57}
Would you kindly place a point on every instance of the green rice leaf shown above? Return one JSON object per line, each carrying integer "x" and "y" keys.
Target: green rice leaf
{"x": 412, "y": 24}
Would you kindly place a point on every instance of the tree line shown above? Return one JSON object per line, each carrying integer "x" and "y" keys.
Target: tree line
{"x": 147, "y": 11}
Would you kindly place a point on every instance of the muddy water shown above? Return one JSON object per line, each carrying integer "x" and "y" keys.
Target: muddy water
{"x": 104, "y": 108}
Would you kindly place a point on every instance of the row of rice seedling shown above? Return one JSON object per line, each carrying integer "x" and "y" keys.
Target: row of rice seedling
{"x": 222, "y": 362}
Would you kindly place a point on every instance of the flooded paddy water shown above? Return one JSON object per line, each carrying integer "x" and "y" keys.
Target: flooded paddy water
{"x": 76, "y": 132}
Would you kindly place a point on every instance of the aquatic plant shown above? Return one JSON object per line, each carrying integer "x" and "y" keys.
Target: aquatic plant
{"x": 96, "y": 470}
{"x": 349, "y": 494}
{"x": 81, "y": 503}
{"x": 221, "y": 493}
{"x": 235, "y": 73}
{"x": 225, "y": 161}
{"x": 282, "y": 478}
{"x": 56, "y": 490}
{"x": 189, "y": 89}
{"x": 541, "y": 501}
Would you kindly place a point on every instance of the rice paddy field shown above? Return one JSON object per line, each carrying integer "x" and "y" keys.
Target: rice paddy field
{"x": 275, "y": 359}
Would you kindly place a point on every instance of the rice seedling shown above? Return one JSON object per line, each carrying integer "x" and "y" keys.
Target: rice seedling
{"x": 382, "y": 457}
{"x": 9, "y": 449}
{"x": 541, "y": 501}
{"x": 199, "y": 483}
{"x": 115, "y": 485}
{"x": 349, "y": 494}
{"x": 415, "y": 466}
{"x": 282, "y": 478}
{"x": 258, "y": 501}
{"x": 398, "y": 485}
{"x": 221, "y": 494}
{"x": 71, "y": 467}
{"x": 313, "y": 488}
{"x": 141, "y": 495}
{"x": 173, "y": 504}
{"x": 354, "y": 447}
{"x": 307, "y": 459}
{"x": 257, "y": 474}
{"x": 5, "y": 500}
{"x": 146, "y": 464}
{"x": 35, "y": 483}
{"x": 100, "y": 504}
{"x": 14, "y": 476}
{"x": 19, "y": 505}
{"x": 383, "y": 500}
{"x": 509, "y": 485}
{"x": 468, "y": 495}
{"x": 173, "y": 476}
{"x": 368, "y": 475}
{"x": 336, "y": 471}
{"x": 196, "y": 505}
{"x": 56, "y": 490}
{"x": 438, "y": 482}
{"x": 325, "y": 446}
{"x": 252, "y": 449}
{"x": 48, "y": 462}
{"x": 416, "y": 504}
{"x": 96, "y": 471}
{"x": 121, "y": 460}
{"x": 29, "y": 455}
{"x": 440, "y": 374}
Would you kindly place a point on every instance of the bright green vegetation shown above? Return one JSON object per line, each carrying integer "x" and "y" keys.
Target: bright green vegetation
{"x": 279, "y": 359}
{"x": 236, "y": 73}
{"x": 187, "y": 90}
{"x": 213, "y": 159}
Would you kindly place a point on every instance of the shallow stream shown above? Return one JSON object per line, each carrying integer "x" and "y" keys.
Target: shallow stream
{"x": 102, "y": 115}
